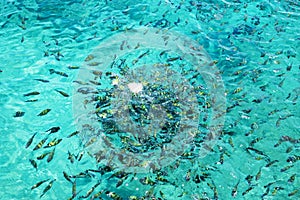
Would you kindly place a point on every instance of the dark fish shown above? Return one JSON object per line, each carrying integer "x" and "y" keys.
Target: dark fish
{"x": 31, "y": 93}
{"x": 271, "y": 163}
{"x": 292, "y": 178}
{"x": 44, "y": 112}
{"x": 248, "y": 190}
{"x": 70, "y": 157}
{"x": 39, "y": 183}
{"x": 41, "y": 80}
{"x": 234, "y": 190}
{"x": 40, "y": 144}
{"x": 62, "y": 93}
{"x": 50, "y": 156}
{"x": 48, "y": 187}
{"x": 30, "y": 140}
{"x": 286, "y": 168}
{"x": 72, "y": 134}
{"x": 53, "y": 129}
{"x": 67, "y": 177}
{"x": 19, "y": 114}
{"x": 31, "y": 100}
{"x": 33, "y": 163}
{"x": 293, "y": 192}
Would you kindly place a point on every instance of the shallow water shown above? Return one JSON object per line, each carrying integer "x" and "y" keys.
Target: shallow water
{"x": 249, "y": 49}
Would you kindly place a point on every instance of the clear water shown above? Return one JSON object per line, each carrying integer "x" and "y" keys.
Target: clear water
{"x": 255, "y": 46}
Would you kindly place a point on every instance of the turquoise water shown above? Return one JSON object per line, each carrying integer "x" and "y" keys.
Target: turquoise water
{"x": 251, "y": 46}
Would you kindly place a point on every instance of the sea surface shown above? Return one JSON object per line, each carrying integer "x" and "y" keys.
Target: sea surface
{"x": 169, "y": 99}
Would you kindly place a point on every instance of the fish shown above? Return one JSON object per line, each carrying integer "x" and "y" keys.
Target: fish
{"x": 70, "y": 157}
{"x": 31, "y": 100}
{"x": 53, "y": 129}
{"x": 72, "y": 134}
{"x": 47, "y": 188}
{"x": 235, "y": 189}
{"x": 54, "y": 142}
{"x": 292, "y": 178}
{"x": 30, "y": 94}
{"x": 62, "y": 93}
{"x": 286, "y": 168}
{"x": 293, "y": 192}
{"x": 30, "y": 141}
{"x": 42, "y": 156}
{"x": 271, "y": 163}
{"x": 73, "y": 67}
{"x": 39, "y": 183}
{"x": 67, "y": 177}
{"x": 89, "y": 57}
{"x": 58, "y": 72}
{"x": 42, "y": 80}
{"x": 248, "y": 190}
{"x": 44, "y": 112}
{"x": 50, "y": 156}
{"x": 258, "y": 175}
{"x": 19, "y": 114}
{"x": 40, "y": 144}
{"x": 113, "y": 195}
{"x": 33, "y": 163}
{"x": 255, "y": 141}
{"x": 91, "y": 190}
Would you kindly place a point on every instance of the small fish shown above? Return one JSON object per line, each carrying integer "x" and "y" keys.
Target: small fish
{"x": 31, "y": 93}
{"x": 48, "y": 187}
{"x": 42, "y": 156}
{"x": 74, "y": 193}
{"x": 266, "y": 193}
{"x": 255, "y": 141}
{"x": 293, "y": 192}
{"x": 42, "y": 80}
{"x": 50, "y": 156}
{"x": 258, "y": 175}
{"x": 248, "y": 179}
{"x": 91, "y": 190}
{"x": 248, "y": 190}
{"x": 235, "y": 189}
{"x": 19, "y": 114}
{"x": 80, "y": 82}
{"x": 33, "y": 163}
{"x": 58, "y": 72}
{"x": 40, "y": 144}
{"x": 292, "y": 178}
{"x": 286, "y": 168}
{"x": 54, "y": 142}
{"x": 73, "y": 67}
{"x": 89, "y": 57}
{"x": 276, "y": 189}
{"x": 113, "y": 195}
{"x": 44, "y": 112}
{"x": 39, "y": 183}
{"x": 67, "y": 177}
{"x": 30, "y": 141}
{"x": 230, "y": 141}
{"x": 173, "y": 59}
{"x": 70, "y": 157}
{"x": 53, "y": 129}
{"x": 73, "y": 134}
{"x": 31, "y": 100}
{"x": 271, "y": 163}
{"x": 62, "y": 93}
